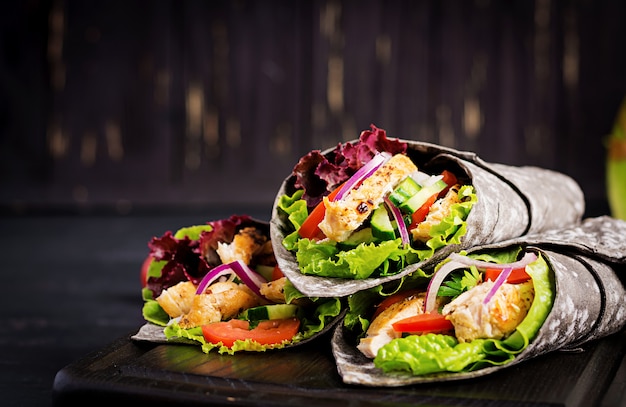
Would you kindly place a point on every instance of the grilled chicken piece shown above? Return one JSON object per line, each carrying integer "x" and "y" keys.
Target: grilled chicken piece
{"x": 177, "y": 299}
{"x": 439, "y": 210}
{"x": 221, "y": 301}
{"x": 380, "y": 331}
{"x": 274, "y": 290}
{"x": 247, "y": 243}
{"x": 346, "y": 215}
{"x": 497, "y": 319}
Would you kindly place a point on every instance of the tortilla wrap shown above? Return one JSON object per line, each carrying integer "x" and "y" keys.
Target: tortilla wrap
{"x": 589, "y": 266}
{"x": 512, "y": 202}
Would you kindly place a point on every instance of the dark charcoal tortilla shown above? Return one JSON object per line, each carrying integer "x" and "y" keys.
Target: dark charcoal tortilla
{"x": 153, "y": 333}
{"x": 512, "y": 202}
{"x": 588, "y": 262}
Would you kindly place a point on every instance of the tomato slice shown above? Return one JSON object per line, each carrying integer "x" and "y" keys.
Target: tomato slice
{"x": 392, "y": 299}
{"x": 517, "y": 276}
{"x": 310, "y": 227}
{"x": 145, "y": 266}
{"x": 267, "y": 332}
{"x": 419, "y": 215}
{"x": 428, "y": 322}
{"x": 450, "y": 179}
{"x": 277, "y": 273}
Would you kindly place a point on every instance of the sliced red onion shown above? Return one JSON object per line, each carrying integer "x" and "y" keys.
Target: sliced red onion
{"x": 397, "y": 215}
{"x": 528, "y": 258}
{"x": 248, "y": 276}
{"x": 497, "y": 284}
{"x": 437, "y": 280}
{"x": 213, "y": 275}
{"x": 365, "y": 171}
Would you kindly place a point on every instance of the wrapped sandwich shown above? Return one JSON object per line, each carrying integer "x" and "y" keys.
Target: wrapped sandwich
{"x": 375, "y": 209}
{"x": 488, "y": 308}
{"x": 218, "y": 286}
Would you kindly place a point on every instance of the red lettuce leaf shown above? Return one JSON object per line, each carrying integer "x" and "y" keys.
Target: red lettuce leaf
{"x": 191, "y": 260}
{"x": 318, "y": 175}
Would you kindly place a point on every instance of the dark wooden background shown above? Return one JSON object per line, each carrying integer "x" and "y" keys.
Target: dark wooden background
{"x": 129, "y": 106}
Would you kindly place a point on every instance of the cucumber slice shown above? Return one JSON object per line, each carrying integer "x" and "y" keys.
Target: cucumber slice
{"x": 405, "y": 190}
{"x": 382, "y": 228}
{"x": 273, "y": 311}
{"x": 420, "y": 198}
{"x": 265, "y": 271}
{"x": 360, "y": 236}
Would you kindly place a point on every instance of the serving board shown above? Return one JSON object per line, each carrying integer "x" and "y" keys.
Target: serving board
{"x": 158, "y": 374}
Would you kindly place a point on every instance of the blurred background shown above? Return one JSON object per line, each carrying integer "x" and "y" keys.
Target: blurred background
{"x": 129, "y": 107}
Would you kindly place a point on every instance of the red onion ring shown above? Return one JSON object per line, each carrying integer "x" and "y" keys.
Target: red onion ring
{"x": 497, "y": 284}
{"x": 365, "y": 171}
{"x": 528, "y": 258}
{"x": 248, "y": 276}
{"x": 397, "y": 215}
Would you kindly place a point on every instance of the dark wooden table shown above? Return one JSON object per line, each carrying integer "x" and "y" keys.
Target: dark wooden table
{"x": 71, "y": 299}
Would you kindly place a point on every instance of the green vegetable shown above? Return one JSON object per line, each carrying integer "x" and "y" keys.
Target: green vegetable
{"x": 616, "y": 165}
{"x": 364, "y": 235}
{"x": 418, "y": 199}
{"x": 273, "y": 311}
{"x": 405, "y": 189}
{"x": 192, "y": 232}
{"x": 382, "y": 228}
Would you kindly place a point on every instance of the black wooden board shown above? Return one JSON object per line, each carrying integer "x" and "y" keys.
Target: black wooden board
{"x": 153, "y": 374}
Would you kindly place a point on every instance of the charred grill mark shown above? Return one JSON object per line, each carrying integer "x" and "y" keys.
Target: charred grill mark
{"x": 362, "y": 208}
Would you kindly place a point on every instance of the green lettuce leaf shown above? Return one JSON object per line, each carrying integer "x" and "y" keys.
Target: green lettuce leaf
{"x": 152, "y": 312}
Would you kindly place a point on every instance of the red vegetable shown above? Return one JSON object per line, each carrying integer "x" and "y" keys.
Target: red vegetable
{"x": 497, "y": 284}
{"x": 143, "y": 276}
{"x": 397, "y": 215}
{"x": 450, "y": 179}
{"x": 419, "y": 215}
{"x": 392, "y": 299}
{"x": 428, "y": 322}
{"x": 362, "y": 173}
{"x": 277, "y": 273}
{"x": 517, "y": 276}
{"x": 310, "y": 227}
{"x": 267, "y": 332}
{"x": 248, "y": 276}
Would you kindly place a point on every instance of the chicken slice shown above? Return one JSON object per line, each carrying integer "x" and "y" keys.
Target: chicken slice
{"x": 221, "y": 301}
{"x": 177, "y": 299}
{"x": 344, "y": 216}
{"x": 380, "y": 331}
{"x": 248, "y": 242}
{"x": 274, "y": 290}
{"x": 497, "y": 319}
